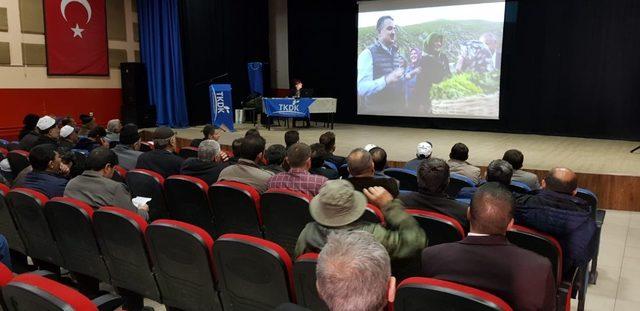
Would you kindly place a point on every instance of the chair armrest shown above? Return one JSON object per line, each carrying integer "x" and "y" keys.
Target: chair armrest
{"x": 45, "y": 273}
{"x": 108, "y": 302}
{"x": 600, "y": 214}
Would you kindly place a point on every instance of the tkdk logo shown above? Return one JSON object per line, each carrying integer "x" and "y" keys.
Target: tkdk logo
{"x": 221, "y": 108}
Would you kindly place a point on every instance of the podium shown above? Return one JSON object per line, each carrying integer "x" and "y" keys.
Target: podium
{"x": 221, "y": 106}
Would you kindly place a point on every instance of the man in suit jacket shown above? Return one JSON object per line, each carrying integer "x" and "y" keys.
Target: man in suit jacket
{"x": 487, "y": 261}
{"x": 458, "y": 163}
{"x": 362, "y": 170}
{"x": 328, "y": 140}
{"x": 162, "y": 159}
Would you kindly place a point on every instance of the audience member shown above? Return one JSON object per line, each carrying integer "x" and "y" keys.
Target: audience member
{"x": 318, "y": 156}
{"x": 128, "y": 150}
{"x": 291, "y": 137}
{"x": 328, "y": 140}
{"x": 68, "y": 137}
{"x": 252, "y": 132}
{"x": 362, "y": 173}
{"x": 557, "y": 211}
{"x": 75, "y": 162}
{"x": 49, "y": 131}
{"x": 94, "y": 139}
{"x": 68, "y": 120}
{"x": 354, "y": 273}
{"x": 423, "y": 152}
{"x": 162, "y": 159}
{"x": 247, "y": 170}
{"x": 29, "y": 122}
{"x": 96, "y": 188}
{"x": 275, "y": 156}
{"x": 499, "y": 171}
{"x": 379, "y": 157}
{"x": 338, "y": 207}
{"x": 46, "y": 175}
{"x": 433, "y": 178}
{"x": 113, "y": 130}
{"x": 487, "y": 261}
{"x": 208, "y": 165}
{"x": 235, "y": 148}
{"x": 88, "y": 124}
{"x": 458, "y": 163}
{"x": 516, "y": 158}
{"x": 298, "y": 177}
{"x": 210, "y": 132}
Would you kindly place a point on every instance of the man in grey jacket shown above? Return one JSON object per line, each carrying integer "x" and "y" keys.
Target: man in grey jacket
{"x": 96, "y": 188}
{"x": 127, "y": 149}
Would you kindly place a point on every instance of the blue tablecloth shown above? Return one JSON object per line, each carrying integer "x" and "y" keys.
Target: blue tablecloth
{"x": 287, "y": 107}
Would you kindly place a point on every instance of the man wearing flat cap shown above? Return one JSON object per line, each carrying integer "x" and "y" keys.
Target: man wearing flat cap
{"x": 162, "y": 159}
{"x": 128, "y": 147}
{"x": 339, "y": 207}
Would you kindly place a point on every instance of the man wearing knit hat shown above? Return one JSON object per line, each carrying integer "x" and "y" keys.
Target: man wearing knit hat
{"x": 68, "y": 137}
{"x": 162, "y": 159}
{"x": 129, "y": 146}
{"x": 339, "y": 206}
{"x": 88, "y": 124}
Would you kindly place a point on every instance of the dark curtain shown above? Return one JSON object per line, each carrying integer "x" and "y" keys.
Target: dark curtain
{"x": 221, "y": 37}
{"x": 161, "y": 51}
{"x": 570, "y": 67}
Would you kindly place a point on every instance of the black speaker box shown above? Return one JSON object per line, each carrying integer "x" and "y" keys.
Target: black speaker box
{"x": 136, "y": 107}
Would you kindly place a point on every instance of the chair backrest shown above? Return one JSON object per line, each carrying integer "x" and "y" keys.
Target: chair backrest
{"x": 439, "y": 228}
{"x": 304, "y": 275}
{"x": 182, "y": 261}
{"x": 591, "y": 199}
{"x": 146, "y": 146}
{"x": 519, "y": 187}
{"x": 284, "y": 214}
{"x": 408, "y": 179}
{"x": 26, "y": 206}
{"x": 457, "y": 182}
{"x": 8, "y": 226}
{"x": 540, "y": 243}
{"x": 373, "y": 214}
{"x": 330, "y": 165}
{"x": 253, "y": 274}
{"x": 420, "y": 293}
{"x": 119, "y": 174}
{"x": 120, "y": 234}
{"x": 3, "y": 152}
{"x": 236, "y": 208}
{"x": 343, "y": 170}
{"x": 146, "y": 183}
{"x": 188, "y": 152}
{"x": 18, "y": 160}
{"x": 34, "y": 292}
{"x": 70, "y": 222}
{"x": 187, "y": 201}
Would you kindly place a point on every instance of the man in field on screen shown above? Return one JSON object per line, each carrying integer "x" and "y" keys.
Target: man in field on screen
{"x": 380, "y": 70}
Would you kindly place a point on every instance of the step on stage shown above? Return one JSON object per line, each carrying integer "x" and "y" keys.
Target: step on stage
{"x": 604, "y": 166}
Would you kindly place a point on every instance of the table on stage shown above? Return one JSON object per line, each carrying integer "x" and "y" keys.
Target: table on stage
{"x": 280, "y": 107}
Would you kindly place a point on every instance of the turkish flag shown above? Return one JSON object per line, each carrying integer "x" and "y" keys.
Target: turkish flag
{"x": 76, "y": 37}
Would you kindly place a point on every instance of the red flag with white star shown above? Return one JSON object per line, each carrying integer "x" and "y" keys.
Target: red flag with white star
{"x": 76, "y": 36}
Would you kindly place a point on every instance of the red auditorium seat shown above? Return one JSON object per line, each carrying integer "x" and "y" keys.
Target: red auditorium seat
{"x": 419, "y": 293}
{"x": 253, "y": 274}
{"x": 373, "y": 214}
{"x": 438, "y": 227}
{"x": 236, "y": 208}
{"x": 3, "y": 152}
{"x": 119, "y": 173}
{"x": 188, "y": 152}
{"x": 70, "y": 222}
{"x": 304, "y": 275}
{"x": 33, "y": 292}
{"x": 182, "y": 260}
{"x": 18, "y": 160}
{"x": 540, "y": 243}
{"x": 146, "y": 146}
{"x": 120, "y": 234}
{"x": 26, "y": 206}
{"x": 187, "y": 201}
{"x": 7, "y": 224}
{"x": 284, "y": 214}
{"x": 146, "y": 183}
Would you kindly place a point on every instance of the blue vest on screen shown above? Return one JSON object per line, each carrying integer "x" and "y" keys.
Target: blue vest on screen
{"x": 383, "y": 64}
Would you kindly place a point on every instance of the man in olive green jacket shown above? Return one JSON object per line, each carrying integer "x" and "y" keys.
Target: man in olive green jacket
{"x": 339, "y": 207}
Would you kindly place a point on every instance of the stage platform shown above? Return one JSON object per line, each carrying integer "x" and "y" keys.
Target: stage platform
{"x": 604, "y": 166}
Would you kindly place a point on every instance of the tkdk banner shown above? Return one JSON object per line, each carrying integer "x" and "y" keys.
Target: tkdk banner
{"x": 76, "y": 37}
{"x": 288, "y": 107}
{"x": 221, "y": 106}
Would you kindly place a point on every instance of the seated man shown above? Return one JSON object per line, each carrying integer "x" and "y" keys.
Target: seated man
{"x": 433, "y": 178}
{"x": 557, "y": 211}
{"x": 162, "y": 159}
{"x": 47, "y": 171}
{"x": 318, "y": 156}
{"x": 68, "y": 137}
{"x": 275, "y": 155}
{"x": 210, "y": 132}
{"x": 458, "y": 163}
{"x": 516, "y": 158}
{"x": 338, "y": 207}
{"x": 487, "y": 261}
{"x": 113, "y": 130}
{"x": 379, "y": 157}
{"x": 128, "y": 148}
{"x": 49, "y": 131}
{"x": 96, "y": 188}
{"x": 235, "y": 148}
{"x": 499, "y": 171}
{"x": 362, "y": 171}
{"x": 298, "y": 177}
{"x": 247, "y": 170}
{"x": 328, "y": 140}
{"x": 291, "y": 137}
{"x": 208, "y": 165}
{"x": 423, "y": 152}
{"x": 95, "y": 138}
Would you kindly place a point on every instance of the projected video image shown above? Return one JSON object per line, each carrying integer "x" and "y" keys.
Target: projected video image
{"x": 439, "y": 61}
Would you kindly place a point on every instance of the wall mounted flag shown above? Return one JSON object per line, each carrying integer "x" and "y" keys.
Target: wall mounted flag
{"x": 76, "y": 37}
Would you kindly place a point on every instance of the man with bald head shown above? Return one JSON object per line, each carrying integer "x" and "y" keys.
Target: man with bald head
{"x": 556, "y": 210}
{"x": 487, "y": 261}
{"x": 362, "y": 171}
